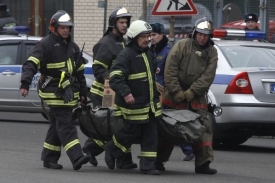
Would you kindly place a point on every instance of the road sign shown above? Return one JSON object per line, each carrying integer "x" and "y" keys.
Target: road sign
{"x": 174, "y": 8}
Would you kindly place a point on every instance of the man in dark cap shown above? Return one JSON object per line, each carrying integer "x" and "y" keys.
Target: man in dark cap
{"x": 251, "y": 20}
{"x": 5, "y": 18}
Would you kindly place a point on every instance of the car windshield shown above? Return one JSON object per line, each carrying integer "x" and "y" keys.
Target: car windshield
{"x": 249, "y": 56}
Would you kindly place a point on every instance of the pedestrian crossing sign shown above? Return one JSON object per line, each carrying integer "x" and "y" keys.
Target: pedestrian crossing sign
{"x": 174, "y": 8}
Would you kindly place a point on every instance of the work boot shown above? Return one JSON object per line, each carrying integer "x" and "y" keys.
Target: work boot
{"x": 109, "y": 159}
{"x": 93, "y": 160}
{"x": 150, "y": 172}
{"x": 189, "y": 157}
{"x": 52, "y": 165}
{"x": 129, "y": 166}
{"x": 159, "y": 166}
{"x": 205, "y": 169}
{"x": 125, "y": 162}
{"x": 81, "y": 161}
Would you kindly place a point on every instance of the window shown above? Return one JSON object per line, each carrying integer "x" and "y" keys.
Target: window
{"x": 249, "y": 56}
{"x": 8, "y": 54}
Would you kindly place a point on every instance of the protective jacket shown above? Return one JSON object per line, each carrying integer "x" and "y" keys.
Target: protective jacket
{"x": 57, "y": 62}
{"x": 189, "y": 65}
{"x": 105, "y": 53}
{"x": 133, "y": 72}
{"x": 160, "y": 52}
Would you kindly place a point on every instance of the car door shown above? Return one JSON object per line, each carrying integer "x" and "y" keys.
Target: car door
{"x": 10, "y": 74}
{"x": 32, "y": 100}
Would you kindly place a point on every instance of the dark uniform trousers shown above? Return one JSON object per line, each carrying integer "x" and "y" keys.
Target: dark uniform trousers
{"x": 145, "y": 134}
{"x": 202, "y": 148}
{"x": 63, "y": 132}
{"x": 96, "y": 147}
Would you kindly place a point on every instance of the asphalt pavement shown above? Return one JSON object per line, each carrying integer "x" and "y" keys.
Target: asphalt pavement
{"x": 21, "y": 144}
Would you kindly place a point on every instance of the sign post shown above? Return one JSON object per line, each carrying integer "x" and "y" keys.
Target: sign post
{"x": 174, "y": 8}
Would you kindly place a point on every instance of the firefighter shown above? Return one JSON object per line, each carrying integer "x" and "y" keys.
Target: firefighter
{"x": 251, "y": 20}
{"x": 105, "y": 53}
{"x": 189, "y": 71}
{"x": 136, "y": 100}
{"x": 62, "y": 81}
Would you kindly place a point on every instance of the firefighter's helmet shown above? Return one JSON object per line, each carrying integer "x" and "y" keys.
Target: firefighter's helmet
{"x": 203, "y": 26}
{"x": 61, "y": 17}
{"x": 138, "y": 27}
{"x": 118, "y": 13}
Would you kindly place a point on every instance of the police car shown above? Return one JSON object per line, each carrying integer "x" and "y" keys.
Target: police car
{"x": 15, "y": 48}
{"x": 244, "y": 87}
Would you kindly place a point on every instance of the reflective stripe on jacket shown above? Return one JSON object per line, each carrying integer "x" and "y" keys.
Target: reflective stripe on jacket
{"x": 105, "y": 54}
{"x": 52, "y": 57}
{"x": 133, "y": 72}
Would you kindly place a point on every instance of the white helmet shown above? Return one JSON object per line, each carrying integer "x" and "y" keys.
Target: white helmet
{"x": 138, "y": 27}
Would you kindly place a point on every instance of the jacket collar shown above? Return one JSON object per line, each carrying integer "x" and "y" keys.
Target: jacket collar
{"x": 160, "y": 45}
{"x": 116, "y": 37}
{"x": 207, "y": 44}
{"x": 135, "y": 46}
{"x": 58, "y": 39}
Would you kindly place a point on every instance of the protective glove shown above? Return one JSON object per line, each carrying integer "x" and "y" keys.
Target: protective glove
{"x": 189, "y": 95}
{"x": 179, "y": 96}
{"x": 68, "y": 95}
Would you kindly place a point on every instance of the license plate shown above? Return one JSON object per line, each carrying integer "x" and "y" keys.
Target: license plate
{"x": 272, "y": 88}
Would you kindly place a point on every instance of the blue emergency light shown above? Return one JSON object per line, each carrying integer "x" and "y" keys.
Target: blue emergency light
{"x": 16, "y": 30}
{"x": 238, "y": 34}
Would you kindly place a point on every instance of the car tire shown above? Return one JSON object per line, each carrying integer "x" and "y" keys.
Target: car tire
{"x": 231, "y": 142}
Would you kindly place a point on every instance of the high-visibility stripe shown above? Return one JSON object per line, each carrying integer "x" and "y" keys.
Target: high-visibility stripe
{"x": 97, "y": 92}
{"x": 158, "y": 105}
{"x": 137, "y": 76}
{"x": 136, "y": 117}
{"x": 134, "y": 111}
{"x": 35, "y": 60}
{"x": 148, "y": 154}
{"x": 52, "y": 147}
{"x": 65, "y": 84}
{"x": 71, "y": 144}
{"x": 98, "y": 84}
{"x": 60, "y": 102}
{"x": 120, "y": 73}
{"x": 158, "y": 113}
{"x": 123, "y": 45}
{"x": 97, "y": 88}
{"x": 80, "y": 68}
{"x": 70, "y": 66}
{"x": 151, "y": 83}
{"x": 119, "y": 145}
{"x": 56, "y": 65}
{"x": 61, "y": 79}
{"x": 53, "y": 96}
{"x": 100, "y": 63}
{"x": 99, "y": 142}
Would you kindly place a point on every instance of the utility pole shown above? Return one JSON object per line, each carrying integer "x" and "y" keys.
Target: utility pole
{"x": 36, "y": 18}
{"x": 172, "y": 30}
{"x": 105, "y": 15}
{"x": 144, "y": 10}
